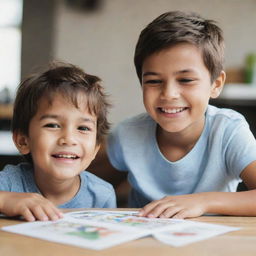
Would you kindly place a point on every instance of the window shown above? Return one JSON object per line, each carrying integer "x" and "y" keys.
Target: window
{"x": 10, "y": 45}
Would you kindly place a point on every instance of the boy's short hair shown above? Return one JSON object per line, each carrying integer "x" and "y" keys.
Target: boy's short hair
{"x": 172, "y": 28}
{"x": 70, "y": 81}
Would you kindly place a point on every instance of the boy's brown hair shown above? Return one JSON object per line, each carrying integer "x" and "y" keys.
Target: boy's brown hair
{"x": 172, "y": 28}
{"x": 70, "y": 81}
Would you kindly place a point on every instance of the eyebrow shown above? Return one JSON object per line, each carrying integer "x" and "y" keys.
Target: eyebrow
{"x": 186, "y": 71}
{"x": 150, "y": 73}
{"x": 83, "y": 119}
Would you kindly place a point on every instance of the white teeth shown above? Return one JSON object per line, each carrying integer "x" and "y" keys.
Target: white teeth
{"x": 172, "y": 111}
{"x": 67, "y": 156}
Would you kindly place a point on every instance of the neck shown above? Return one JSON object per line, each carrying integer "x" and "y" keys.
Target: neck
{"x": 175, "y": 145}
{"x": 58, "y": 192}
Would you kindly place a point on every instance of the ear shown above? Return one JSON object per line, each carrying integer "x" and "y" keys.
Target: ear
{"x": 21, "y": 142}
{"x": 217, "y": 85}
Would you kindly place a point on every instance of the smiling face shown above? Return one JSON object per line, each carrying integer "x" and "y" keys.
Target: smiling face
{"x": 61, "y": 138}
{"x": 177, "y": 87}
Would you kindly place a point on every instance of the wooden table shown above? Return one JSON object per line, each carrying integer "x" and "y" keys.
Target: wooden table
{"x": 237, "y": 243}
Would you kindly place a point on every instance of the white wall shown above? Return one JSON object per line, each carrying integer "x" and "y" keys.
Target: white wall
{"x": 103, "y": 42}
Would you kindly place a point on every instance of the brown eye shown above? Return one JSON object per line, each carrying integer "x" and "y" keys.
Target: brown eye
{"x": 186, "y": 80}
{"x": 52, "y": 125}
{"x": 153, "y": 82}
{"x": 84, "y": 128}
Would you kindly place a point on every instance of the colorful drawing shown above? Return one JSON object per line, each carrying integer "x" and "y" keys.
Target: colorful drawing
{"x": 128, "y": 219}
{"x": 91, "y": 233}
{"x": 77, "y": 229}
{"x": 103, "y": 229}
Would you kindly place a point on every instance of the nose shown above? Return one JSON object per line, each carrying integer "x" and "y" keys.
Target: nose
{"x": 170, "y": 90}
{"x": 67, "y": 138}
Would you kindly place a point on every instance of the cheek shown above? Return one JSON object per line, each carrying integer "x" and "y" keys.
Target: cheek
{"x": 88, "y": 143}
{"x": 39, "y": 144}
{"x": 200, "y": 95}
{"x": 149, "y": 96}
{"x": 146, "y": 103}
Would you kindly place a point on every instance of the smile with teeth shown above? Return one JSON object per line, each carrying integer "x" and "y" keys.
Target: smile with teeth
{"x": 67, "y": 156}
{"x": 172, "y": 110}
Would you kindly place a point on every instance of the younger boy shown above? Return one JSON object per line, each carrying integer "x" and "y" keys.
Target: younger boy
{"x": 59, "y": 122}
{"x": 184, "y": 158}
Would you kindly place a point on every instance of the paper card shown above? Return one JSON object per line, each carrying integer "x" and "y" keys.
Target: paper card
{"x": 191, "y": 232}
{"x": 75, "y": 233}
{"x": 125, "y": 219}
{"x": 97, "y": 230}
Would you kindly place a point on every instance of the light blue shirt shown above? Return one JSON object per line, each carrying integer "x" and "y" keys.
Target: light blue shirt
{"x": 225, "y": 147}
{"x": 93, "y": 192}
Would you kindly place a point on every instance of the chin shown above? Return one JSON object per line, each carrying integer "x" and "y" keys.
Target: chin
{"x": 172, "y": 128}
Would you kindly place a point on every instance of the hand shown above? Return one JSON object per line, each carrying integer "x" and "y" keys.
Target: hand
{"x": 31, "y": 206}
{"x": 179, "y": 207}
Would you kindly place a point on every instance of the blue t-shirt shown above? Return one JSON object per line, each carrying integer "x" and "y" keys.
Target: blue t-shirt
{"x": 225, "y": 147}
{"x": 93, "y": 192}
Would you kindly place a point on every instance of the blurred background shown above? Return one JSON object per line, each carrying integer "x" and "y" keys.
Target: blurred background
{"x": 100, "y": 37}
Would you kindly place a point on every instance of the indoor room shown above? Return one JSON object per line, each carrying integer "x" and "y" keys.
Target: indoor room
{"x": 100, "y": 37}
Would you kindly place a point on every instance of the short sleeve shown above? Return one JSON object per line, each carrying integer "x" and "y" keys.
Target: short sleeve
{"x": 241, "y": 148}
{"x": 115, "y": 149}
{"x": 5, "y": 182}
{"x": 111, "y": 201}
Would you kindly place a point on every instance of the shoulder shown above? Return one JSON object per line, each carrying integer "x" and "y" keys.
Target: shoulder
{"x": 13, "y": 177}
{"x": 130, "y": 133}
{"x": 96, "y": 183}
{"x": 98, "y": 193}
{"x": 16, "y": 170}
{"x": 135, "y": 126}
{"x": 227, "y": 127}
{"x": 224, "y": 119}
{"x": 225, "y": 114}
{"x": 142, "y": 119}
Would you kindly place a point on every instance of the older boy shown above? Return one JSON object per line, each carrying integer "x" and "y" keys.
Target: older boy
{"x": 184, "y": 157}
{"x": 59, "y": 123}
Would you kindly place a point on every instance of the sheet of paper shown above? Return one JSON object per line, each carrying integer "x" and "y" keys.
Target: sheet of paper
{"x": 191, "y": 232}
{"x": 127, "y": 220}
{"x": 76, "y": 233}
{"x": 102, "y": 229}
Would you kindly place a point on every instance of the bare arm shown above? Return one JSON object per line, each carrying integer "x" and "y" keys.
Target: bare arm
{"x": 193, "y": 205}
{"x": 31, "y": 206}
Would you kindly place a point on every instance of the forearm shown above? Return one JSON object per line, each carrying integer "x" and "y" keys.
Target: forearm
{"x": 3, "y": 198}
{"x": 231, "y": 203}
{"x": 194, "y": 205}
